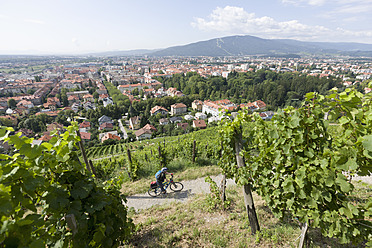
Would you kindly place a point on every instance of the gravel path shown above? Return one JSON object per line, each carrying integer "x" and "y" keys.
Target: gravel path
{"x": 193, "y": 187}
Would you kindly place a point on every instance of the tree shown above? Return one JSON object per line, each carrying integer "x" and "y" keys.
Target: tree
{"x": 95, "y": 95}
{"x": 12, "y": 103}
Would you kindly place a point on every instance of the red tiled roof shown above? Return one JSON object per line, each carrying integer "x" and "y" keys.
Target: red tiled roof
{"x": 85, "y": 135}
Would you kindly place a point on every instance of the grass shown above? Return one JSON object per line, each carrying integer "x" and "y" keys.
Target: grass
{"x": 191, "y": 224}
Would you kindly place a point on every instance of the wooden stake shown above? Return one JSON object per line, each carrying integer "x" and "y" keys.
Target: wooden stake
{"x": 130, "y": 163}
{"x": 92, "y": 168}
{"x": 303, "y": 235}
{"x": 83, "y": 152}
{"x": 247, "y": 193}
{"x": 193, "y": 151}
{"x": 223, "y": 188}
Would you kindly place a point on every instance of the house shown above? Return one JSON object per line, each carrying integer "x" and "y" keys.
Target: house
{"x": 214, "y": 119}
{"x": 158, "y": 110}
{"x": 178, "y": 108}
{"x": 175, "y": 119}
{"x": 134, "y": 122}
{"x": 214, "y": 108}
{"x": 163, "y": 121}
{"x": 189, "y": 117}
{"x": 85, "y": 136}
{"x": 73, "y": 99}
{"x": 104, "y": 119}
{"x": 75, "y": 107}
{"x": 27, "y": 104}
{"x": 85, "y": 124}
{"x": 103, "y": 134}
{"x": 25, "y": 132}
{"x": 260, "y": 104}
{"x": 88, "y": 98}
{"x": 200, "y": 116}
{"x": 197, "y": 105}
{"x": 199, "y": 124}
{"x": 56, "y": 127}
{"x": 183, "y": 125}
{"x": 106, "y": 126}
{"x": 45, "y": 138}
{"x": 107, "y": 101}
{"x": 108, "y": 136}
{"x": 143, "y": 134}
{"x": 150, "y": 127}
{"x": 89, "y": 105}
{"x": 52, "y": 103}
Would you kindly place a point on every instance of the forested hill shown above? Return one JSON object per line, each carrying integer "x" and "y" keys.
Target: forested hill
{"x": 275, "y": 89}
{"x": 251, "y": 45}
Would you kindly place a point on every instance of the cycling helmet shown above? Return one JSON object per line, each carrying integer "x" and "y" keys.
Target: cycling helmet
{"x": 164, "y": 169}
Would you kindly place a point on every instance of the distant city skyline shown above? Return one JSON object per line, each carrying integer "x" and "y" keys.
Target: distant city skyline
{"x": 77, "y": 27}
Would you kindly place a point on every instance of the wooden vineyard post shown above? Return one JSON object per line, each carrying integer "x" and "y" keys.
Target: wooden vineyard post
{"x": 130, "y": 163}
{"x": 193, "y": 151}
{"x": 161, "y": 161}
{"x": 223, "y": 188}
{"x": 83, "y": 152}
{"x": 247, "y": 193}
{"x": 92, "y": 167}
{"x": 223, "y": 182}
{"x": 303, "y": 235}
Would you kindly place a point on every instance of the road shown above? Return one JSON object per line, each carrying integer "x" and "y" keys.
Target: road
{"x": 125, "y": 135}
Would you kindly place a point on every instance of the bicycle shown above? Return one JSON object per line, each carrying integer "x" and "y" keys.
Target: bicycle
{"x": 155, "y": 190}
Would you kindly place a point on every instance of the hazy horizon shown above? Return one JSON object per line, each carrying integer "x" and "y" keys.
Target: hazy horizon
{"x": 79, "y": 27}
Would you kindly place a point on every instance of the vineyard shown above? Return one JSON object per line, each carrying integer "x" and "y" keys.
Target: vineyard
{"x": 198, "y": 148}
{"x": 302, "y": 167}
{"x": 298, "y": 162}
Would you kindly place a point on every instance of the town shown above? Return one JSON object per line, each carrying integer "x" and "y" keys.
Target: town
{"x": 122, "y": 99}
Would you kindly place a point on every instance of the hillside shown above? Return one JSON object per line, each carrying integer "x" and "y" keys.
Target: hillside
{"x": 177, "y": 221}
{"x": 250, "y": 45}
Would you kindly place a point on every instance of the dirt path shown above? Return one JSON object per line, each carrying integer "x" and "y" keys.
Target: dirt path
{"x": 193, "y": 187}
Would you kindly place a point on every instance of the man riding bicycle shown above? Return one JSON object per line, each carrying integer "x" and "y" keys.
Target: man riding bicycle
{"x": 160, "y": 177}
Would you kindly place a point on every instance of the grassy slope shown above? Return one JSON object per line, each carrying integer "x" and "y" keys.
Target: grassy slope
{"x": 194, "y": 224}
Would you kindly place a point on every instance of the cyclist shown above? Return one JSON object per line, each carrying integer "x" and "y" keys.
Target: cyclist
{"x": 160, "y": 177}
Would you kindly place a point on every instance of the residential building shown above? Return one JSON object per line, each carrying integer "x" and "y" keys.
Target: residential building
{"x": 106, "y": 126}
{"x": 158, "y": 110}
{"x": 163, "y": 121}
{"x": 178, "y": 108}
{"x": 200, "y": 116}
{"x": 104, "y": 119}
{"x": 143, "y": 134}
{"x": 183, "y": 125}
{"x": 175, "y": 119}
{"x": 108, "y": 136}
{"x": 197, "y": 105}
{"x": 199, "y": 124}
{"x": 134, "y": 122}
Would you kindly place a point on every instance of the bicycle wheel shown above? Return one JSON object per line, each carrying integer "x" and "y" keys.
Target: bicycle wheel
{"x": 176, "y": 186}
{"x": 154, "y": 192}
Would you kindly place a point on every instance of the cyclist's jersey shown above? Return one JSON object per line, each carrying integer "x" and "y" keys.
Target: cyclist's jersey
{"x": 160, "y": 176}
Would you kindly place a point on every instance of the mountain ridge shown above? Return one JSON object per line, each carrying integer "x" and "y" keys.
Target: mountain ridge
{"x": 251, "y": 45}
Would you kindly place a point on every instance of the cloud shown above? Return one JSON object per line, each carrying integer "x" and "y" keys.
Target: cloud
{"x": 34, "y": 21}
{"x": 235, "y": 20}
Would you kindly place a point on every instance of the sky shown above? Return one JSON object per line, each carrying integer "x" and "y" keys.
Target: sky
{"x": 82, "y": 26}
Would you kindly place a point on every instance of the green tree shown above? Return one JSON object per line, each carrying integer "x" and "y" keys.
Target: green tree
{"x": 12, "y": 103}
